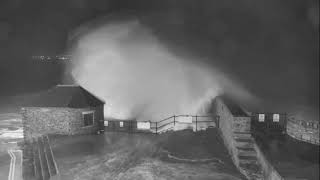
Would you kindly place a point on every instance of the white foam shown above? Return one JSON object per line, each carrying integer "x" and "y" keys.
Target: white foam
{"x": 11, "y": 134}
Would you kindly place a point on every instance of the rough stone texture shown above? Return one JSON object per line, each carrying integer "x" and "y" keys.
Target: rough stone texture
{"x": 39, "y": 121}
{"x": 237, "y": 138}
{"x": 241, "y": 124}
{"x": 269, "y": 125}
{"x": 226, "y": 124}
{"x": 269, "y": 172}
{"x": 304, "y": 131}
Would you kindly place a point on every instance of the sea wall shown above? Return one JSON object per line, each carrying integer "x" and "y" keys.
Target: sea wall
{"x": 269, "y": 172}
{"x": 233, "y": 129}
{"x": 307, "y": 131}
{"x": 226, "y": 127}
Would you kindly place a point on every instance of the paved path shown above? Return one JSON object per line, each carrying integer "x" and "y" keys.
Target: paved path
{"x": 15, "y": 170}
{"x": 4, "y": 165}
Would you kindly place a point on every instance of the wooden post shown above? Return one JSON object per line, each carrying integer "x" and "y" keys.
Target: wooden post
{"x": 196, "y": 123}
{"x": 217, "y": 121}
{"x": 285, "y": 123}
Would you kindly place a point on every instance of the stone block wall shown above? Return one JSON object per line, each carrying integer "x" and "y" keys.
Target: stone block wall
{"x": 77, "y": 123}
{"x": 242, "y": 124}
{"x": 307, "y": 131}
{"x": 269, "y": 172}
{"x": 226, "y": 127}
{"x": 38, "y": 121}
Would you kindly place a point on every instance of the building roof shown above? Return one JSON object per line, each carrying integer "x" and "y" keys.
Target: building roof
{"x": 72, "y": 96}
{"x": 235, "y": 109}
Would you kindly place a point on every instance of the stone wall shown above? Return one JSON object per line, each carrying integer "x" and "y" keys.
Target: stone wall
{"x": 307, "y": 131}
{"x": 269, "y": 172}
{"x": 39, "y": 121}
{"x": 226, "y": 127}
{"x": 242, "y": 124}
{"x": 77, "y": 126}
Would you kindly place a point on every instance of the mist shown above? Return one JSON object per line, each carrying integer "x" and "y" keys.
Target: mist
{"x": 124, "y": 64}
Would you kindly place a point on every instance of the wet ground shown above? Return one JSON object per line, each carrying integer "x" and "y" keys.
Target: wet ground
{"x": 115, "y": 155}
{"x": 11, "y": 134}
{"x": 290, "y": 157}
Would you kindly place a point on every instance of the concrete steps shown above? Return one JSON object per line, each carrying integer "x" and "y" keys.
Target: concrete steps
{"x": 43, "y": 160}
{"x": 27, "y": 163}
{"x": 253, "y": 167}
{"x": 238, "y": 134}
{"x": 244, "y": 142}
{"x": 245, "y": 148}
{"x": 39, "y": 164}
{"x": 49, "y": 156}
{"x": 247, "y": 155}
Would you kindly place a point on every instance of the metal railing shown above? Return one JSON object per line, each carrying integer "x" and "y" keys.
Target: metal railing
{"x": 170, "y": 122}
{"x": 195, "y": 122}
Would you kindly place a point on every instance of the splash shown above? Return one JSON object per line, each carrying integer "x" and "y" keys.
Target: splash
{"x": 138, "y": 77}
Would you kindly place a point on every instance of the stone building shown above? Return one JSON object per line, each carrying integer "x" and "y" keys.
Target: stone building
{"x": 63, "y": 109}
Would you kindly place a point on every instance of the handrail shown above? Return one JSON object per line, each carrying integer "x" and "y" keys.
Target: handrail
{"x": 165, "y": 124}
{"x": 165, "y": 119}
{"x": 185, "y": 115}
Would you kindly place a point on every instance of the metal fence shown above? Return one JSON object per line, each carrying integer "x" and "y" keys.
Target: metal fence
{"x": 175, "y": 122}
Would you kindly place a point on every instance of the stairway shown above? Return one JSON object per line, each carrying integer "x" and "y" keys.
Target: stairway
{"x": 248, "y": 162}
{"x": 38, "y": 160}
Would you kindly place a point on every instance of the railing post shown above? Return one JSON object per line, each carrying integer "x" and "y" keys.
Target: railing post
{"x": 156, "y": 127}
{"x": 174, "y": 120}
{"x": 196, "y": 123}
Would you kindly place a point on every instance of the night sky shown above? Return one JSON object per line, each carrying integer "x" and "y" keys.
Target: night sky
{"x": 270, "y": 46}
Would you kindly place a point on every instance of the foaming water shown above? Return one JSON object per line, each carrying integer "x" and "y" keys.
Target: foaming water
{"x": 11, "y": 134}
{"x": 125, "y": 64}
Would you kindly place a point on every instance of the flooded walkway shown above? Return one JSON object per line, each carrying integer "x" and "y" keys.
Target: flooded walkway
{"x": 116, "y": 155}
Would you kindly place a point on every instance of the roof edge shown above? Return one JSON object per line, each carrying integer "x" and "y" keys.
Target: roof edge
{"x": 93, "y": 95}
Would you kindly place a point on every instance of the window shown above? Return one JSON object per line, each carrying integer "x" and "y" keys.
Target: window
{"x": 276, "y": 117}
{"x": 88, "y": 118}
{"x": 121, "y": 123}
{"x": 106, "y": 123}
{"x": 261, "y": 117}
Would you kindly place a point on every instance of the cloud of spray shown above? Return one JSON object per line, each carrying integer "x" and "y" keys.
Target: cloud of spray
{"x": 124, "y": 64}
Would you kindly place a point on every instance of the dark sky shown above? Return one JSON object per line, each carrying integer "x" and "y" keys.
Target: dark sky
{"x": 271, "y": 46}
